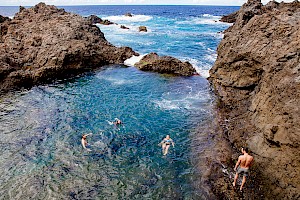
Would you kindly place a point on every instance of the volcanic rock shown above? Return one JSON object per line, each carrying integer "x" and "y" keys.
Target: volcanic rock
{"x": 128, "y": 15}
{"x": 123, "y": 27}
{"x": 143, "y": 29}
{"x": 165, "y": 65}
{"x": 97, "y": 20}
{"x": 3, "y": 19}
{"x": 44, "y": 43}
{"x": 257, "y": 80}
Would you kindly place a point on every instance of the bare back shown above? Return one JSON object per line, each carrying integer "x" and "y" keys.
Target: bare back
{"x": 245, "y": 161}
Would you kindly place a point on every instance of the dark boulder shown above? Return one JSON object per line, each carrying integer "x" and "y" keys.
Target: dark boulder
{"x": 95, "y": 19}
{"x": 123, "y": 27}
{"x": 3, "y": 19}
{"x": 128, "y": 15}
{"x": 165, "y": 65}
{"x": 143, "y": 29}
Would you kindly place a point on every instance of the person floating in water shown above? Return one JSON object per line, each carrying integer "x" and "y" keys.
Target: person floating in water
{"x": 242, "y": 165}
{"x": 118, "y": 122}
{"x": 166, "y": 142}
{"x": 84, "y": 141}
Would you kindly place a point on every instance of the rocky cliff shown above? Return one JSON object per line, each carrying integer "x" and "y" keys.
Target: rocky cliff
{"x": 43, "y": 43}
{"x": 257, "y": 80}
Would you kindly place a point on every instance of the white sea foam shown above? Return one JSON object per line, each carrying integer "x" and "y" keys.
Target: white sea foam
{"x": 208, "y": 15}
{"x": 211, "y": 57}
{"x": 202, "y": 68}
{"x": 189, "y": 101}
{"x": 134, "y": 18}
{"x": 115, "y": 80}
{"x": 134, "y": 59}
{"x": 204, "y": 19}
{"x": 202, "y": 44}
{"x": 167, "y": 104}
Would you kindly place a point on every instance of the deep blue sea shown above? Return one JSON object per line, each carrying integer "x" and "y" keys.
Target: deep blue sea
{"x": 41, "y": 156}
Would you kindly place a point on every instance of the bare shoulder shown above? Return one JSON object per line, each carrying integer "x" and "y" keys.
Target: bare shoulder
{"x": 241, "y": 157}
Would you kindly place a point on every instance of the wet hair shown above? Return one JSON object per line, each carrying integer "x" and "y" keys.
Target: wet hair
{"x": 246, "y": 149}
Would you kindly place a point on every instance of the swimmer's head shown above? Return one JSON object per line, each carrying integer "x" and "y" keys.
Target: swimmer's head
{"x": 168, "y": 136}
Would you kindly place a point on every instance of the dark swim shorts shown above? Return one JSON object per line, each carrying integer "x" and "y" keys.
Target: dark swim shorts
{"x": 245, "y": 171}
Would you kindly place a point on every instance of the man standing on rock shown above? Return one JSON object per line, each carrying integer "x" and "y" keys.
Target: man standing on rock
{"x": 244, "y": 162}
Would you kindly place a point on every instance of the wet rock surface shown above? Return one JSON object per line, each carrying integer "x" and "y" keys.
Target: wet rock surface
{"x": 44, "y": 43}
{"x": 143, "y": 29}
{"x": 165, "y": 65}
{"x": 257, "y": 80}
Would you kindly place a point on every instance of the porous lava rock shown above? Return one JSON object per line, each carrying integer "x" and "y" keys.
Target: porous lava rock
{"x": 143, "y": 29}
{"x": 165, "y": 65}
{"x": 43, "y": 43}
{"x": 256, "y": 78}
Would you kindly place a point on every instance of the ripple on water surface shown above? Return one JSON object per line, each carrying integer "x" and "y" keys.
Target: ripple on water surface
{"x": 41, "y": 154}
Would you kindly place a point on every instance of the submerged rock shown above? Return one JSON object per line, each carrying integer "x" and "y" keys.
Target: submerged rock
{"x": 257, "y": 80}
{"x": 165, "y": 64}
{"x": 44, "y": 43}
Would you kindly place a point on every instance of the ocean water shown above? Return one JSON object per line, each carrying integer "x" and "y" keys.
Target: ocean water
{"x": 41, "y": 154}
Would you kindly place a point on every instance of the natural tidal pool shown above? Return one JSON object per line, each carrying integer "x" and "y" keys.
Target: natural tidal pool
{"x": 42, "y": 157}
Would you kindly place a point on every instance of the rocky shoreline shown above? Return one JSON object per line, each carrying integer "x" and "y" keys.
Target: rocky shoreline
{"x": 44, "y": 43}
{"x": 256, "y": 78}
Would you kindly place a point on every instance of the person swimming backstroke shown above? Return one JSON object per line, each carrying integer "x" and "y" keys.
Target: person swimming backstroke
{"x": 166, "y": 142}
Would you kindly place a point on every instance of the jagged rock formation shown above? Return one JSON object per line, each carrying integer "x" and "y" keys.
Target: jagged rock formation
{"x": 3, "y": 19}
{"x": 43, "y": 43}
{"x": 165, "y": 65}
{"x": 257, "y": 79}
{"x": 123, "y": 27}
{"x": 97, "y": 20}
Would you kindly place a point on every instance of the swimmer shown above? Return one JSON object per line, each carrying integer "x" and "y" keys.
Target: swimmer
{"x": 242, "y": 165}
{"x": 118, "y": 122}
{"x": 166, "y": 142}
{"x": 84, "y": 140}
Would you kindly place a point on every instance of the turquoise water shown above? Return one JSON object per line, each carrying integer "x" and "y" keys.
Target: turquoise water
{"x": 41, "y": 154}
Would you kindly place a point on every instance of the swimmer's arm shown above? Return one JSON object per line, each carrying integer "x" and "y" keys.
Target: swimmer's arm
{"x": 83, "y": 144}
{"x": 161, "y": 142}
{"x": 237, "y": 163}
{"x": 173, "y": 144}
